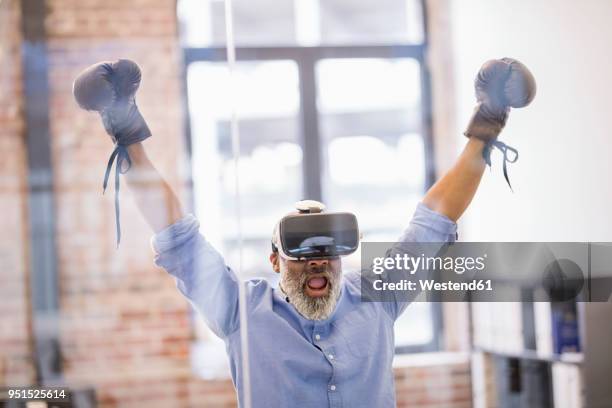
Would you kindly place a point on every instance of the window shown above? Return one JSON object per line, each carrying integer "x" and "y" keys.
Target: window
{"x": 333, "y": 104}
{"x": 270, "y": 164}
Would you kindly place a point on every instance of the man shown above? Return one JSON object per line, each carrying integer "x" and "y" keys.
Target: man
{"x": 312, "y": 342}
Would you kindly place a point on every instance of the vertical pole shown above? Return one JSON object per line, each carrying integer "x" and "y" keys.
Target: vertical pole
{"x": 188, "y": 169}
{"x": 242, "y": 301}
{"x": 426, "y": 103}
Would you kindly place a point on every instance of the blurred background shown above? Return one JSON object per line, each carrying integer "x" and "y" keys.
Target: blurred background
{"x": 358, "y": 103}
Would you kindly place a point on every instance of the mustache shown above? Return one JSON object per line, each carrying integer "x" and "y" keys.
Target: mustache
{"x": 323, "y": 274}
{"x": 322, "y": 268}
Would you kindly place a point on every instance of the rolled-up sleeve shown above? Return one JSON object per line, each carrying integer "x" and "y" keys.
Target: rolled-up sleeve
{"x": 201, "y": 273}
{"x": 426, "y": 227}
{"x": 429, "y": 226}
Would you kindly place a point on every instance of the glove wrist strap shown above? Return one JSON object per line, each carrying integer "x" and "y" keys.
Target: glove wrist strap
{"x": 119, "y": 156}
{"x": 510, "y": 156}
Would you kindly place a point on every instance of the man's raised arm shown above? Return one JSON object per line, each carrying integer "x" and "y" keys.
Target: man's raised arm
{"x": 109, "y": 88}
{"x": 154, "y": 197}
{"x": 452, "y": 194}
{"x": 499, "y": 85}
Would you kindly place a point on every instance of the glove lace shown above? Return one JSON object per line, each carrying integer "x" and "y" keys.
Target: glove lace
{"x": 119, "y": 156}
{"x": 508, "y": 158}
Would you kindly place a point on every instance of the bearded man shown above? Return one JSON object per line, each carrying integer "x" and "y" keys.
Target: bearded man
{"x": 312, "y": 341}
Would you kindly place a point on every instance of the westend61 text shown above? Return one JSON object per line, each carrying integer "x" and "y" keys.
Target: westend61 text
{"x": 429, "y": 284}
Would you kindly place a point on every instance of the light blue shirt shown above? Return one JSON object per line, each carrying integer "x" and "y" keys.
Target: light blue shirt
{"x": 343, "y": 361}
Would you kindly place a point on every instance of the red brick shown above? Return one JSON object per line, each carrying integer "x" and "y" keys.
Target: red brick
{"x": 15, "y": 353}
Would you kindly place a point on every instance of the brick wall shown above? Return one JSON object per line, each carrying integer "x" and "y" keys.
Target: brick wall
{"x": 125, "y": 329}
{"x": 15, "y": 350}
{"x": 436, "y": 386}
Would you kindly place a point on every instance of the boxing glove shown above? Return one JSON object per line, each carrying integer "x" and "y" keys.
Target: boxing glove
{"x": 500, "y": 85}
{"x": 109, "y": 88}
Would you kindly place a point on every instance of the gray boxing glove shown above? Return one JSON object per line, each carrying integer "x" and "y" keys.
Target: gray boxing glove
{"x": 499, "y": 85}
{"x": 110, "y": 88}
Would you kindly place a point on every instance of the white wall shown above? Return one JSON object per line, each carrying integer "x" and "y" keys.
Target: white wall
{"x": 562, "y": 179}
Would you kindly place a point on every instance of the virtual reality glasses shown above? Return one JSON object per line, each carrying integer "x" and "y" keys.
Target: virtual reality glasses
{"x": 316, "y": 235}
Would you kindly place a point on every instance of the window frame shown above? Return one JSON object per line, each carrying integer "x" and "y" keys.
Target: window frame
{"x": 306, "y": 58}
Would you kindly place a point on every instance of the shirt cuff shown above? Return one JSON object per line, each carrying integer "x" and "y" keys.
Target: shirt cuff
{"x": 428, "y": 218}
{"x": 175, "y": 234}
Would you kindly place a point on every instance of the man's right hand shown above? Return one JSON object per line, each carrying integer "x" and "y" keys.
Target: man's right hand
{"x": 500, "y": 84}
{"x": 109, "y": 88}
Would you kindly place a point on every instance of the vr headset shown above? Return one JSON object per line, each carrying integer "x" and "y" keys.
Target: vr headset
{"x": 314, "y": 234}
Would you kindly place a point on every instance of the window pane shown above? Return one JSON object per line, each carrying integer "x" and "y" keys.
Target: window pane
{"x": 371, "y": 22}
{"x": 373, "y": 155}
{"x": 256, "y": 22}
{"x": 370, "y": 121}
{"x": 270, "y": 163}
{"x": 415, "y": 326}
{"x": 302, "y": 22}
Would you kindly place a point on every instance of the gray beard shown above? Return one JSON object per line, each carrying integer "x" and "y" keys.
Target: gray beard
{"x": 319, "y": 308}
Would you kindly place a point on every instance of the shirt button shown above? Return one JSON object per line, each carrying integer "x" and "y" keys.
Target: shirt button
{"x": 318, "y": 336}
{"x": 331, "y": 356}
{"x": 333, "y": 388}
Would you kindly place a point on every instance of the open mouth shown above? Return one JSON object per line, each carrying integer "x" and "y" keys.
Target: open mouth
{"x": 317, "y": 286}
